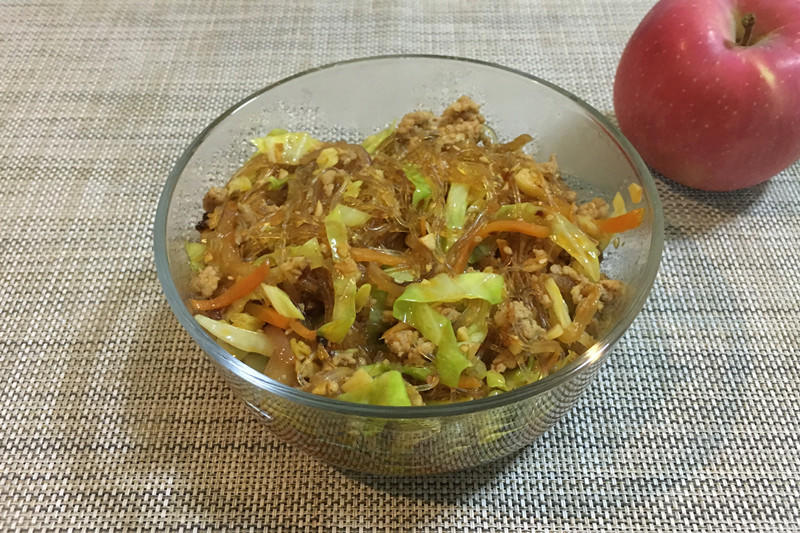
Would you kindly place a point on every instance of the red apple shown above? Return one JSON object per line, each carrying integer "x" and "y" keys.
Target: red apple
{"x": 707, "y": 102}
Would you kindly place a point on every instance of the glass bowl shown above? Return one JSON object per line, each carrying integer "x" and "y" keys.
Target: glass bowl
{"x": 350, "y": 100}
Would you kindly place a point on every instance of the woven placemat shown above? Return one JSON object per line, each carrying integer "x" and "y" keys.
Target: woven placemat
{"x": 112, "y": 417}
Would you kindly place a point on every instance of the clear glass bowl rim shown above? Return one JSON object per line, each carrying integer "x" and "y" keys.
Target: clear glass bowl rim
{"x": 261, "y": 381}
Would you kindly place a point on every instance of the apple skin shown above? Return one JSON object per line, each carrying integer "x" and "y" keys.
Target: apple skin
{"x": 703, "y": 110}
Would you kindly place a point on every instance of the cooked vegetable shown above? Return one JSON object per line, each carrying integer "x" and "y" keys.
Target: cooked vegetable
{"x": 281, "y": 302}
{"x": 498, "y": 226}
{"x": 281, "y": 146}
{"x": 244, "y": 339}
{"x": 362, "y": 296}
{"x": 301, "y": 330}
{"x": 429, "y": 264}
{"x": 195, "y": 251}
{"x": 273, "y": 183}
{"x": 444, "y": 288}
{"x": 268, "y": 315}
{"x": 560, "y": 309}
{"x": 401, "y": 274}
{"x": 245, "y": 321}
{"x": 375, "y": 319}
{"x": 456, "y": 208}
{"x": 618, "y": 224}
{"x": 619, "y": 205}
{"x": 309, "y": 250}
{"x": 353, "y": 189}
{"x": 386, "y": 389}
{"x": 525, "y": 211}
{"x": 422, "y": 189}
{"x": 514, "y": 226}
{"x": 238, "y": 290}
{"x": 413, "y": 307}
{"x": 577, "y": 244}
{"x": 345, "y": 275}
{"x": 377, "y": 256}
{"x": 635, "y": 192}
{"x": 495, "y": 380}
{"x": 373, "y": 142}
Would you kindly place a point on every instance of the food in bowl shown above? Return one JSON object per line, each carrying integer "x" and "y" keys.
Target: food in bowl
{"x": 429, "y": 264}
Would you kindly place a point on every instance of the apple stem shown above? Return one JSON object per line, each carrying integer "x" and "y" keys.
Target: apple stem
{"x": 748, "y": 21}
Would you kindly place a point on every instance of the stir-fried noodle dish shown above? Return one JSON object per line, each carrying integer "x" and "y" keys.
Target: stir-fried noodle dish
{"x": 428, "y": 264}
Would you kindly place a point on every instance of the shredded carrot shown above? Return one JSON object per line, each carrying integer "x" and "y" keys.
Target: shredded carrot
{"x": 241, "y": 288}
{"x": 268, "y": 315}
{"x": 381, "y": 280}
{"x": 621, "y": 223}
{"x": 515, "y": 226}
{"x": 498, "y": 226}
{"x": 463, "y": 254}
{"x": 370, "y": 255}
{"x": 300, "y": 329}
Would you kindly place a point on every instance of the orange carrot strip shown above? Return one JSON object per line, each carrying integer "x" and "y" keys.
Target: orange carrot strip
{"x": 381, "y": 280}
{"x": 621, "y": 223}
{"x": 241, "y": 288}
{"x": 514, "y": 226}
{"x": 268, "y": 315}
{"x": 375, "y": 256}
{"x": 498, "y": 226}
{"x": 463, "y": 254}
{"x": 300, "y": 329}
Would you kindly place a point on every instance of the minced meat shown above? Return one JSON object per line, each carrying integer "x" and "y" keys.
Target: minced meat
{"x": 409, "y": 346}
{"x": 205, "y": 282}
{"x": 514, "y": 318}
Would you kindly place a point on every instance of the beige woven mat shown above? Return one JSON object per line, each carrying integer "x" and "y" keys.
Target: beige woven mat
{"x": 111, "y": 417}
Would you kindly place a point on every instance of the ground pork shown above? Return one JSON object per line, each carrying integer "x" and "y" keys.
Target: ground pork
{"x": 344, "y": 358}
{"x": 461, "y": 122}
{"x": 415, "y": 124}
{"x": 567, "y": 278}
{"x": 409, "y": 346}
{"x": 450, "y": 313}
{"x": 205, "y": 282}
{"x": 504, "y": 360}
{"x": 330, "y": 178}
{"x": 611, "y": 289}
{"x": 516, "y": 325}
{"x": 514, "y": 318}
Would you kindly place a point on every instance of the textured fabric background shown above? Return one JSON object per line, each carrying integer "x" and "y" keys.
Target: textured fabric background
{"x": 109, "y": 416}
